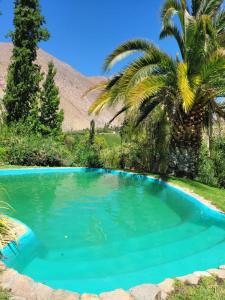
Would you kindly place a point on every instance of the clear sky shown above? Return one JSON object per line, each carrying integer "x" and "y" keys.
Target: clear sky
{"x": 84, "y": 32}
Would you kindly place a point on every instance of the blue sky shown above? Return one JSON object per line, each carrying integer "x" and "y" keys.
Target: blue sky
{"x": 84, "y": 32}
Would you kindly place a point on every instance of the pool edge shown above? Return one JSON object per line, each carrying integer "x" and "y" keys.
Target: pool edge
{"x": 23, "y": 286}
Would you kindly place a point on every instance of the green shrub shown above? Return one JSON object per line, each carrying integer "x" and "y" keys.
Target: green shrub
{"x": 206, "y": 173}
{"x": 69, "y": 141}
{"x": 35, "y": 151}
{"x": 87, "y": 155}
{"x": 111, "y": 157}
{"x": 219, "y": 160}
{"x": 3, "y": 155}
{"x": 4, "y": 294}
{"x": 212, "y": 170}
{"x": 208, "y": 289}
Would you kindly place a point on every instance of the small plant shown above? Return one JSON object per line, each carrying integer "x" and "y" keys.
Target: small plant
{"x": 4, "y": 294}
{"x": 7, "y": 232}
{"x": 208, "y": 289}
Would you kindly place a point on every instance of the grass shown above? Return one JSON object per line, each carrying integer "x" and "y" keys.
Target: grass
{"x": 209, "y": 288}
{"x": 11, "y": 167}
{"x": 215, "y": 195}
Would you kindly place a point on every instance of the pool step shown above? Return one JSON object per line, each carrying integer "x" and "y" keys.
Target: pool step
{"x": 88, "y": 232}
{"x": 118, "y": 248}
{"x": 129, "y": 262}
{"x": 200, "y": 261}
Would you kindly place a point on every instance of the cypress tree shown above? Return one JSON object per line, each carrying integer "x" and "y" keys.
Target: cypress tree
{"x": 24, "y": 75}
{"x": 51, "y": 117}
{"x": 92, "y": 132}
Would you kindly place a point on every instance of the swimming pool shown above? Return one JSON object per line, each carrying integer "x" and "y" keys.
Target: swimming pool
{"x": 98, "y": 230}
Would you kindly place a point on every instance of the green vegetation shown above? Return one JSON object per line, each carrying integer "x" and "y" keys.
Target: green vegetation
{"x": 7, "y": 233}
{"x": 112, "y": 139}
{"x": 51, "y": 117}
{"x": 185, "y": 88}
{"x": 26, "y": 103}
{"x": 215, "y": 195}
{"x": 170, "y": 105}
{"x": 208, "y": 289}
{"x": 4, "y": 294}
{"x": 24, "y": 75}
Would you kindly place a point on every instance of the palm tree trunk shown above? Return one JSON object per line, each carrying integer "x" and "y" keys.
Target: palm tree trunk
{"x": 186, "y": 142}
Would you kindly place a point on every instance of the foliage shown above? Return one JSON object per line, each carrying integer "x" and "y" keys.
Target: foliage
{"x": 88, "y": 155}
{"x": 21, "y": 148}
{"x": 111, "y": 157}
{"x": 184, "y": 87}
{"x": 24, "y": 75}
{"x": 212, "y": 169}
{"x": 218, "y": 157}
{"x": 35, "y": 151}
{"x": 206, "y": 172}
{"x": 112, "y": 139}
{"x": 51, "y": 117}
{"x": 209, "y": 289}
{"x": 7, "y": 232}
{"x": 4, "y": 294}
{"x": 215, "y": 195}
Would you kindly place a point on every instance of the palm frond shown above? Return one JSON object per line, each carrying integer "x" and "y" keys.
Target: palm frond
{"x": 126, "y": 49}
{"x": 170, "y": 9}
{"x": 146, "y": 108}
{"x": 100, "y": 102}
{"x": 200, "y": 40}
{"x": 145, "y": 89}
{"x": 213, "y": 69}
{"x": 209, "y": 7}
{"x": 142, "y": 68}
{"x": 195, "y": 5}
{"x": 172, "y": 30}
{"x": 113, "y": 81}
{"x": 185, "y": 90}
{"x": 98, "y": 87}
{"x": 219, "y": 24}
{"x": 121, "y": 111}
{"x": 219, "y": 21}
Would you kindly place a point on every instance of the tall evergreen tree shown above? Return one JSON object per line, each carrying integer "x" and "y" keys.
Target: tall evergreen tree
{"x": 24, "y": 76}
{"x": 51, "y": 117}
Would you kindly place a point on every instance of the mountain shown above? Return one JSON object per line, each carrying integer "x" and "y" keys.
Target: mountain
{"x": 72, "y": 86}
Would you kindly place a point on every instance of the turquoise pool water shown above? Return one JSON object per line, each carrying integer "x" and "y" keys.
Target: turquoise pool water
{"x": 98, "y": 231}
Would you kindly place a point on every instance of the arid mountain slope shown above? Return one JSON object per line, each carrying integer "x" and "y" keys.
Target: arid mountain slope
{"x": 72, "y": 86}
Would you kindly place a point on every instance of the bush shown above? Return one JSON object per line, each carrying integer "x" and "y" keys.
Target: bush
{"x": 87, "y": 155}
{"x": 208, "y": 289}
{"x": 33, "y": 150}
{"x": 219, "y": 160}
{"x": 111, "y": 158}
{"x": 212, "y": 170}
{"x": 206, "y": 173}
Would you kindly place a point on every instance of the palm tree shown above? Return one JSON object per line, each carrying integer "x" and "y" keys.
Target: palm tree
{"x": 210, "y": 11}
{"x": 212, "y": 17}
{"x": 182, "y": 87}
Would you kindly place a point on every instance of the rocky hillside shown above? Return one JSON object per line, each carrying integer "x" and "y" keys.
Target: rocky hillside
{"x": 72, "y": 86}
